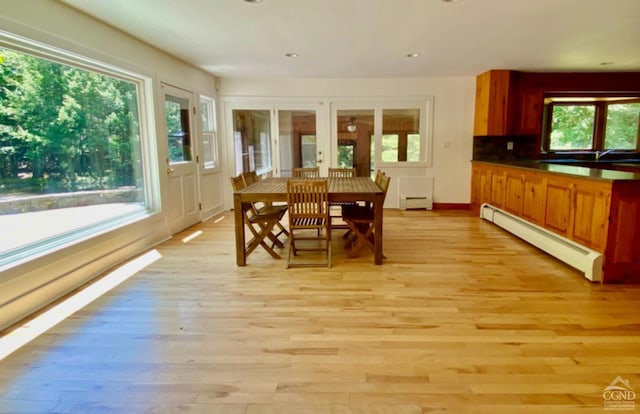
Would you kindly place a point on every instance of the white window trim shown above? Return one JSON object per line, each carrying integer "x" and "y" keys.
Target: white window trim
{"x": 424, "y": 103}
{"x": 215, "y": 145}
{"x": 148, "y": 150}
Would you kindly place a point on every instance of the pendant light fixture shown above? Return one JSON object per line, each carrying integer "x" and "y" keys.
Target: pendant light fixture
{"x": 351, "y": 125}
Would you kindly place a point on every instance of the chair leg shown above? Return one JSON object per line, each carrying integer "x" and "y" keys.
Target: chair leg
{"x": 294, "y": 249}
{"x": 259, "y": 237}
{"x": 361, "y": 237}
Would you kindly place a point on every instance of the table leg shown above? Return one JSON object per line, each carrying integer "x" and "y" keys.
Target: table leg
{"x": 238, "y": 218}
{"x": 377, "y": 232}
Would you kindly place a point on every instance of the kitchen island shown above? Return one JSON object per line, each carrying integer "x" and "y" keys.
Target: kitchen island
{"x": 598, "y": 208}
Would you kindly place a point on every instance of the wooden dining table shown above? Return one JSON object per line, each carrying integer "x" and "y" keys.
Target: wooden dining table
{"x": 274, "y": 189}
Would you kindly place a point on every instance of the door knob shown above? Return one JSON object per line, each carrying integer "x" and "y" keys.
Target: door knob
{"x": 170, "y": 171}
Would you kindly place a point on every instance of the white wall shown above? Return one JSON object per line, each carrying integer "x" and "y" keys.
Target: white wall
{"x": 452, "y": 120}
{"x": 39, "y": 281}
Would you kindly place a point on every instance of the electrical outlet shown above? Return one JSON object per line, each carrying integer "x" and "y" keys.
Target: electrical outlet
{"x": 510, "y": 145}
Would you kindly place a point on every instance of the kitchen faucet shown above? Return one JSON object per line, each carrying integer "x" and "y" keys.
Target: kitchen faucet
{"x": 600, "y": 154}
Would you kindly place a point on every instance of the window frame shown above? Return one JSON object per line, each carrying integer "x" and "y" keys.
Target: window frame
{"x": 211, "y": 134}
{"x": 600, "y": 102}
{"x": 148, "y": 167}
{"x": 423, "y": 103}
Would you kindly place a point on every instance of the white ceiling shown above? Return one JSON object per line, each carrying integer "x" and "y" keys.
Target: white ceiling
{"x": 371, "y": 38}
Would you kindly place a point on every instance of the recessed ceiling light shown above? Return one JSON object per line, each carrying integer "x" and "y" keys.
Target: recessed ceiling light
{"x": 292, "y": 55}
{"x": 413, "y": 55}
{"x": 606, "y": 63}
{"x": 253, "y": 1}
{"x": 451, "y": 1}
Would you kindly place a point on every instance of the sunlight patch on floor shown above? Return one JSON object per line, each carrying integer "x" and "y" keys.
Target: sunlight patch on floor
{"x": 37, "y": 326}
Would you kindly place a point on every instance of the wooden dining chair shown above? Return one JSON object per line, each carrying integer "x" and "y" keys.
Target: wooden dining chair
{"x": 306, "y": 172}
{"x": 342, "y": 172}
{"x": 309, "y": 222}
{"x": 251, "y": 177}
{"x": 379, "y": 175}
{"x": 360, "y": 220}
{"x": 261, "y": 222}
{"x": 335, "y": 208}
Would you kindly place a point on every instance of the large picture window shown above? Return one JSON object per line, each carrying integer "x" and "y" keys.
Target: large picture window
{"x": 70, "y": 147}
{"x": 592, "y": 124}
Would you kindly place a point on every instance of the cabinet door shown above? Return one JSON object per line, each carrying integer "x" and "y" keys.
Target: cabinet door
{"x": 558, "y": 205}
{"x": 480, "y": 185}
{"x": 529, "y": 110}
{"x": 591, "y": 214}
{"x": 513, "y": 191}
{"x": 485, "y": 185}
{"x": 534, "y": 198}
{"x": 496, "y": 196}
{"x": 491, "y": 104}
{"x": 476, "y": 198}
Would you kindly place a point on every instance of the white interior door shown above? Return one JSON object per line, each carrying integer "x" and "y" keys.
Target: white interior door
{"x": 182, "y": 171}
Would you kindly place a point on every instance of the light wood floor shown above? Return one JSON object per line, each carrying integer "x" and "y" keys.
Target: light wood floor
{"x": 461, "y": 318}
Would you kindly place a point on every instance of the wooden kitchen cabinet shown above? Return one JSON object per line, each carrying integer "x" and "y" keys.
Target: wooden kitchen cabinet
{"x": 514, "y": 191}
{"x": 603, "y": 215}
{"x": 534, "y": 197}
{"x": 527, "y": 107}
{"x": 480, "y": 185}
{"x": 591, "y": 213}
{"x": 558, "y": 205}
{"x": 492, "y": 103}
{"x": 496, "y": 193}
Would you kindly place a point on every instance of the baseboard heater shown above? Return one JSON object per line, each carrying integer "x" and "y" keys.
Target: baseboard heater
{"x": 574, "y": 254}
{"x": 415, "y": 192}
{"x": 409, "y": 203}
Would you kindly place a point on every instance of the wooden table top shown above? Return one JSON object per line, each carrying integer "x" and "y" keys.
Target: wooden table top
{"x": 354, "y": 188}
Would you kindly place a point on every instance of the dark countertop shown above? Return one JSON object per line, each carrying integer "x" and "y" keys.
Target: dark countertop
{"x": 566, "y": 167}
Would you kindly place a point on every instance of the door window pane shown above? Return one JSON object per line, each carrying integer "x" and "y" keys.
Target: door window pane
{"x": 252, "y": 140}
{"x": 308, "y": 147}
{"x": 623, "y": 121}
{"x": 298, "y": 145}
{"x": 178, "y": 131}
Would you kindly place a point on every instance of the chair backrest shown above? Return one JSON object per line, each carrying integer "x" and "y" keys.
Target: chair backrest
{"x": 379, "y": 175}
{"x": 342, "y": 172}
{"x": 308, "y": 199}
{"x": 250, "y": 177}
{"x": 384, "y": 184}
{"x": 306, "y": 172}
{"x": 238, "y": 183}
